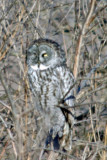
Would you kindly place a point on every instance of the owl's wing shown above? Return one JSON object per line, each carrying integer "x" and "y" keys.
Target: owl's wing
{"x": 67, "y": 99}
{"x": 66, "y": 85}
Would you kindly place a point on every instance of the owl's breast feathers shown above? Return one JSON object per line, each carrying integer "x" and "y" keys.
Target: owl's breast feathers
{"x": 55, "y": 81}
{"x": 50, "y": 86}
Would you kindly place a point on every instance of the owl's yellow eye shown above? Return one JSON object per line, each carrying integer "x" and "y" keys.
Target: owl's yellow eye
{"x": 45, "y": 55}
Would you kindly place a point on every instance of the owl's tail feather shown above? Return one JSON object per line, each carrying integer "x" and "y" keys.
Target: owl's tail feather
{"x": 64, "y": 142}
{"x": 54, "y": 140}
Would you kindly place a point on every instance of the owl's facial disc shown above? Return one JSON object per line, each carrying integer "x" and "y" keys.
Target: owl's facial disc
{"x": 45, "y": 58}
{"x": 42, "y": 57}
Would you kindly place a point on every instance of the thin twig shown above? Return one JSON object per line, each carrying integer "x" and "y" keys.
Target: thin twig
{"x": 80, "y": 39}
{"x": 10, "y": 134}
{"x": 9, "y": 96}
{"x": 3, "y": 151}
{"x": 5, "y": 105}
{"x": 61, "y": 152}
{"x": 83, "y": 83}
{"x": 87, "y": 78}
{"x": 65, "y": 106}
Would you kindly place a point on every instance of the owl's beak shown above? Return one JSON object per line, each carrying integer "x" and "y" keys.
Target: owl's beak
{"x": 39, "y": 64}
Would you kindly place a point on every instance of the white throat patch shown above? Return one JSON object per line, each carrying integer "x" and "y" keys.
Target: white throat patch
{"x": 40, "y": 67}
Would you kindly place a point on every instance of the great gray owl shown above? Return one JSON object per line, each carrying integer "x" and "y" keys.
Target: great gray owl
{"x": 50, "y": 80}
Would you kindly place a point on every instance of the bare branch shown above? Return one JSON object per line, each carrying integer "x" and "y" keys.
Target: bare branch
{"x": 9, "y": 95}
{"x": 80, "y": 39}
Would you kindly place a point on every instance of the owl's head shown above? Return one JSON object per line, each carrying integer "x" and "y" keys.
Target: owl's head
{"x": 44, "y": 54}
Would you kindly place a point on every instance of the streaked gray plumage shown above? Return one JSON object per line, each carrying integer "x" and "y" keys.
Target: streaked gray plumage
{"x": 50, "y": 80}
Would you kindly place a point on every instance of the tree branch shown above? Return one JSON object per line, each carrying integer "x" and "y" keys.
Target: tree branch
{"x": 9, "y": 95}
{"x": 80, "y": 39}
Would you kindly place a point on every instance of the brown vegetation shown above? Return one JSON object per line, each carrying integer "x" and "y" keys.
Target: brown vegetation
{"x": 80, "y": 27}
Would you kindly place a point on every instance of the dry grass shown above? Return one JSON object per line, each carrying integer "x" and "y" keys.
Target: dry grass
{"x": 80, "y": 27}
